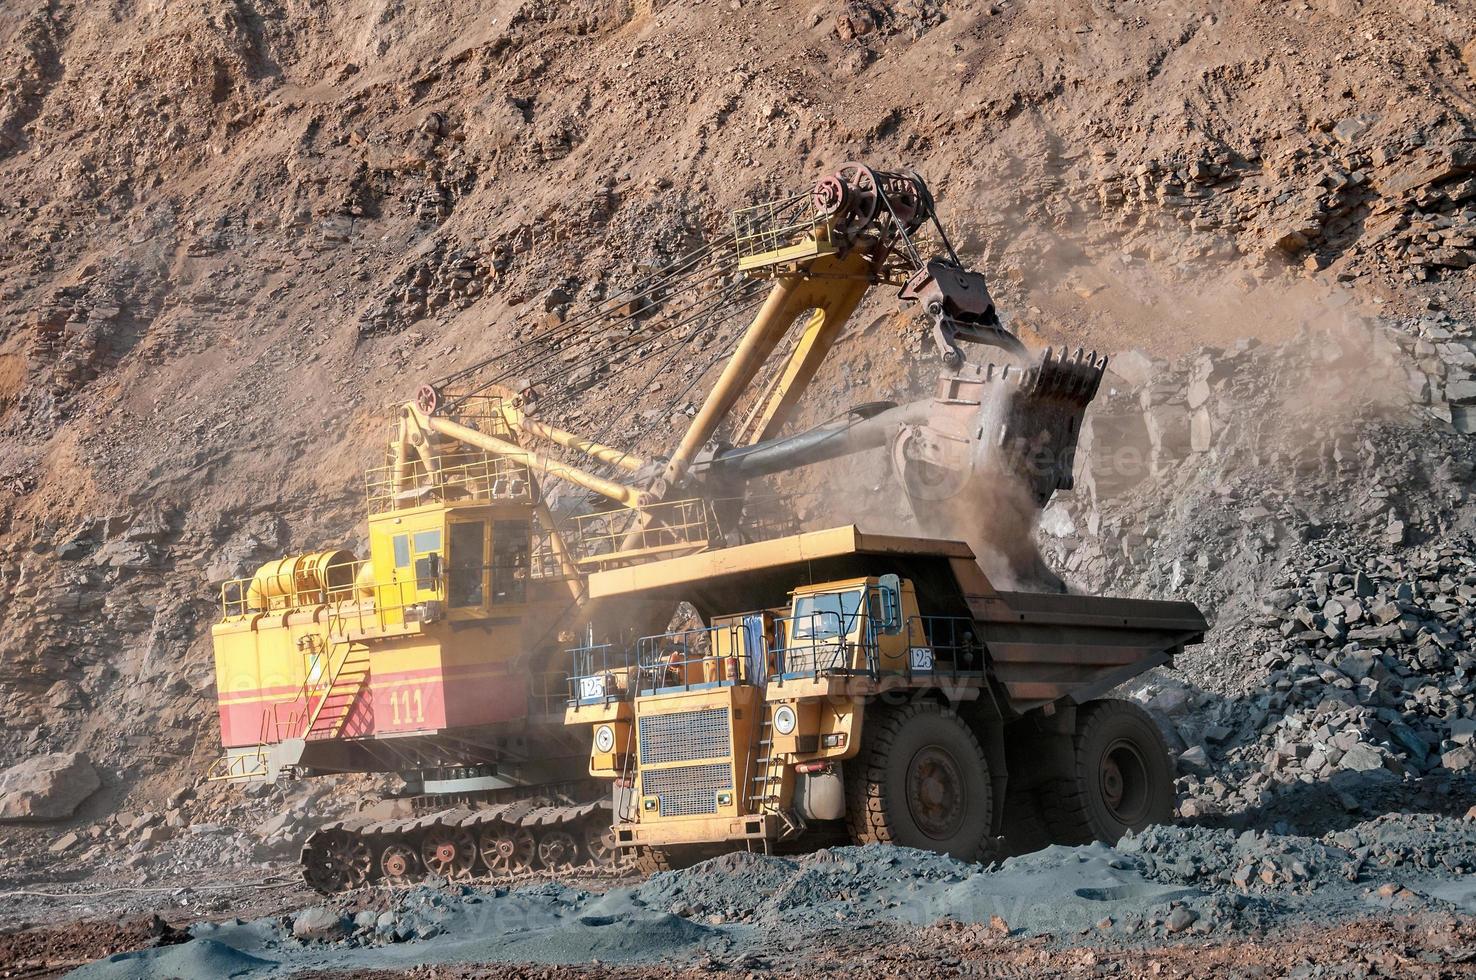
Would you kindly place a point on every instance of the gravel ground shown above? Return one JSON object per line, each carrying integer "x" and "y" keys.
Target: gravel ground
{"x": 1167, "y": 886}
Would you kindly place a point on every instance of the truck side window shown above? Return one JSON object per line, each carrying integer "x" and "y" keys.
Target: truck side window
{"x": 890, "y": 588}
{"x": 511, "y": 554}
{"x": 402, "y": 550}
{"x": 464, "y": 587}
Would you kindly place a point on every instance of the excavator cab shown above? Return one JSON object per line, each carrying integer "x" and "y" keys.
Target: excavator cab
{"x": 464, "y": 560}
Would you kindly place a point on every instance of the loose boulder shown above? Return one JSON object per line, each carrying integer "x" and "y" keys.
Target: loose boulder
{"x": 46, "y": 787}
{"x": 318, "y": 922}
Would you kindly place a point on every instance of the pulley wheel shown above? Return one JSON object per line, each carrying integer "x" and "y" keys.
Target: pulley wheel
{"x": 428, "y": 399}
{"x": 829, "y": 196}
{"x": 862, "y": 200}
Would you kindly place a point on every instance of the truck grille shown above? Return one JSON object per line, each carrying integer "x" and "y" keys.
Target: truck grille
{"x": 687, "y": 790}
{"x": 684, "y": 735}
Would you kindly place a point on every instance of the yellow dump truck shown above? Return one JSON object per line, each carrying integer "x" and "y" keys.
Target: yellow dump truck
{"x": 874, "y": 681}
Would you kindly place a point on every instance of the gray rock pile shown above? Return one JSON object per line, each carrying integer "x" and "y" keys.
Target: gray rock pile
{"x": 1165, "y": 885}
{"x": 1263, "y": 863}
{"x": 1369, "y": 683}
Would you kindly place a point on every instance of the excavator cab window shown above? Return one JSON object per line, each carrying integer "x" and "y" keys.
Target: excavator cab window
{"x": 466, "y": 585}
{"x": 426, "y": 546}
{"x": 511, "y": 556}
{"x": 427, "y": 570}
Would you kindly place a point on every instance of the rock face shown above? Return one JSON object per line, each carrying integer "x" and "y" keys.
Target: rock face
{"x": 46, "y": 787}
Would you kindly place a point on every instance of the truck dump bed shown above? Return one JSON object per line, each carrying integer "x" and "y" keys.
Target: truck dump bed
{"x": 1048, "y": 647}
{"x": 1043, "y": 647}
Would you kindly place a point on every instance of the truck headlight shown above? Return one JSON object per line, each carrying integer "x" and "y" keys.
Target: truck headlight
{"x": 605, "y": 738}
{"x": 785, "y": 720}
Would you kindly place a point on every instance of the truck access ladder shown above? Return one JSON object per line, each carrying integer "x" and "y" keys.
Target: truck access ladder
{"x": 764, "y": 789}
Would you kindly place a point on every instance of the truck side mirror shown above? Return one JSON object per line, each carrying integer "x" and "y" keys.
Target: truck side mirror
{"x": 890, "y": 587}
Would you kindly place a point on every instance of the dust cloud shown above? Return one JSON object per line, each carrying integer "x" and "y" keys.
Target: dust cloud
{"x": 974, "y": 492}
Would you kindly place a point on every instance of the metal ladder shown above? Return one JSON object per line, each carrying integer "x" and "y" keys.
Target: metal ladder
{"x": 764, "y": 788}
{"x": 332, "y": 711}
{"x": 346, "y": 682}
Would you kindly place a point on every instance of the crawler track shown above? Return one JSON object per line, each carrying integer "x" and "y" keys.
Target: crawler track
{"x": 460, "y": 844}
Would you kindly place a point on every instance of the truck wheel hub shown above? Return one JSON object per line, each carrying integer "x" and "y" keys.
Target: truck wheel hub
{"x": 935, "y": 793}
{"x": 1124, "y": 782}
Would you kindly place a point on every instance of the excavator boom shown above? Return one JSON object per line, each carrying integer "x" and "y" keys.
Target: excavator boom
{"x": 1012, "y": 425}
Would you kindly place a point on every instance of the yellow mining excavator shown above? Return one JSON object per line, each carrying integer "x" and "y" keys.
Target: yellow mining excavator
{"x": 539, "y": 678}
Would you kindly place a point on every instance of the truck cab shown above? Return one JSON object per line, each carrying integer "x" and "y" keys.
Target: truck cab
{"x": 712, "y": 733}
{"x": 862, "y": 625}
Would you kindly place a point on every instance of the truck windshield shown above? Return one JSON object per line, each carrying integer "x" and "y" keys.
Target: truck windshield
{"x": 818, "y": 617}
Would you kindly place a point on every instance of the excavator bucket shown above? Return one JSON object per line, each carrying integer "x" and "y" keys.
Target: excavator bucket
{"x": 996, "y": 444}
{"x": 1001, "y": 421}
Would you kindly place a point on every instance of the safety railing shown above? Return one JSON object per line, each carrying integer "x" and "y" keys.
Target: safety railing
{"x": 599, "y": 673}
{"x": 943, "y": 645}
{"x": 766, "y": 527}
{"x": 544, "y": 564}
{"x": 319, "y": 676}
{"x": 548, "y": 692}
{"x": 773, "y": 225}
{"x": 672, "y": 525}
{"x": 463, "y": 476}
{"x": 823, "y": 642}
{"x": 358, "y": 604}
{"x": 239, "y": 767}
{"x": 751, "y": 650}
{"x": 725, "y": 654}
{"x": 273, "y": 727}
{"x": 335, "y": 583}
{"x": 481, "y": 412}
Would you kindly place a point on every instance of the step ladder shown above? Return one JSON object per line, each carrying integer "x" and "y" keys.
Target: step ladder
{"x": 766, "y": 788}
{"x": 247, "y": 765}
{"x": 331, "y": 713}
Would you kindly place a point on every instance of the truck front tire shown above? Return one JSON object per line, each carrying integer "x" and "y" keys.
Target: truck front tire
{"x": 1117, "y": 778}
{"x": 675, "y": 857}
{"x": 920, "y": 780}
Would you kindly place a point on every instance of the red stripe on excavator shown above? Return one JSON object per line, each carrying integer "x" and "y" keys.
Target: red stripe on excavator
{"x": 407, "y": 701}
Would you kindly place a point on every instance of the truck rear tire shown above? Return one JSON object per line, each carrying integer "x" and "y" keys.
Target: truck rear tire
{"x": 921, "y": 780}
{"x": 1119, "y": 777}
